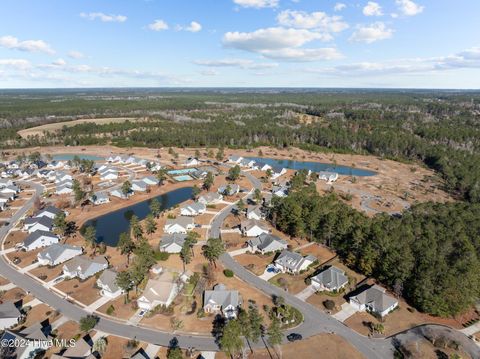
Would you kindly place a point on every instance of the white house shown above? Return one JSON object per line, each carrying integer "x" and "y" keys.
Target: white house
{"x": 118, "y": 193}
{"x": 160, "y": 291}
{"x": 192, "y": 161}
{"x": 99, "y": 198}
{"x": 235, "y": 159}
{"x": 229, "y": 189}
{"x": 278, "y": 171}
{"x": 247, "y": 163}
{"x": 293, "y": 262}
{"x": 107, "y": 283}
{"x": 328, "y": 176}
{"x": 221, "y": 300}
{"x": 84, "y": 267}
{"x": 139, "y": 186}
{"x": 150, "y": 180}
{"x": 374, "y": 300}
{"x": 193, "y": 209}
{"x": 57, "y": 254}
{"x": 172, "y": 243}
{"x": 253, "y": 228}
{"x": 262, "y": 166}
{"x": 62, "y": 176}
{"x": 49, "y": 212}
{"x": 109, "y": 175}
{"x": 210, "y": 198}
{"x": 254, "y": 212}
{"x": 38, "y": 224}
{"x": 180, "y": 224}
{"x": 9, "y": 315}
{"x": 39, "y": 239}
{"x": 280, "y": 191}
{"x": 64, "y": 188}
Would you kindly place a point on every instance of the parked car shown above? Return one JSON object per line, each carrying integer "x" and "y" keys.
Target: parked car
{"x": 292, "y": 337}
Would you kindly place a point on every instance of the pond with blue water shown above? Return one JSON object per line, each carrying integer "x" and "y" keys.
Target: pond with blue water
{"x": 109, "y": 226}
{"x": 315, "y": 166}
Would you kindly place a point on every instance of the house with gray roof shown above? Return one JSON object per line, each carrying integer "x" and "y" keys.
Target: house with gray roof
{"x": 221, "y": 300}
{"x": 83, "y": 267}
{"x": 375, "y": 300}
{"x": 262, "y": 166}
{"x": 253, "y": 228}
{"x": 99, "y": 198}
{"x": 107, "y": 283}
{"x": 139, "y": 186}
{"x": 150, "y": 180}
{"x": 193, "y": 209}
{"x": 266, "y": 243}
{"x": 181, "y": 224}
{"x": 49, "y": 211}
{"x": 210, "y": 198}
{"x": 331, "y": 279}
{"x": 278, "y": 171}
{"x": 58, "y": 253}
{"x": 9, "y": 315}
{"x": 172, "y": 243}
{"x": 39, "y": 239}
{"x": 293, "y": 262}
{"x": 229, "y": 189}
{"x": 34, "y": 224}
{"x": 254, "y": 212}
{"x": 235, "y": 159}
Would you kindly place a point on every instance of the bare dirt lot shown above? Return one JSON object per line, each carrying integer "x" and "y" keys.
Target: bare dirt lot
{"x": 331, "y": 347}
{"x": 53, "y": 127}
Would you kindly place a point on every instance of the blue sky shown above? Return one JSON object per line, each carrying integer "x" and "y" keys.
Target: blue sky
{"x": 251, "y": 43}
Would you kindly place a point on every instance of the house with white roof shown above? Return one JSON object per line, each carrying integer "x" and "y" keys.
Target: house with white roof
{"x": 62, "y": 176}
{"x": 280, "y": 191}
{"x": 235, "y": 159}
{"x": 172, "y": 243}
{"x": 109, "y": 175}
{"x": 11, "y": 190}
{"x": 57, "y": 254}
{"x": 150, "y": 180}
{"x": 375, "y": 300}
{"x": 331, "y": 279}
{"x": 253, "y": 228}
{"x": 49, "y": 211}
{"x": 328, "y": 176}
{"x": 278, "y": 171}
{"x": 6, "y": 182}
{"x": 293, "y": 262}
{"x": 255, "y": 212}
{"x": 181, "y": 224}
{"x": 210, "y": 198}
{"x": 221, "y": 300}
{"x": 65, "y": 187}
{"x": 83, "y": 267}
{"x": 39, "y": 239}
{"x": 266, "y": 243}
{"x": 54, "y": 165}
{"x": 107, "y": 283}
{"x": 160, "y": 291}
{"x": 193, "y": 209}
{"x": 118, "y": 193}
{"x": 262, "y": 166}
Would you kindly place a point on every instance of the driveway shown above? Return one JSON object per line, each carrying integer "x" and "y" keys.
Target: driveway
{"x": 346, "y": 312}
{"x": 306, "y": 293}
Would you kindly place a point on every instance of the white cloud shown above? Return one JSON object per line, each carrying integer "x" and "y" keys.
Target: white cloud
{"x": 209, "y": 73}
{"x": 315, "y": 20}
{"x": 193, "y": 27}
{"x": 103, "y": 17}
{"x": 158, "y": 25}
{"x": 257, "y": 4}
{"x": 371, "y": 33}
{"x": 17, "y": 64}
{"x": 241, "y": 63}
{"x": 372, "y": 9}
{"x": 273, "y": 38}
{"x": 59, "y": 62}
{"x": 409, "y": 8}
{"x": 339, "y": 6}
{"x": 304, "y": 55}
{"x": 11, "y": 42}
{"x": 467, "y": 59}
{"x": 75, "y": 54}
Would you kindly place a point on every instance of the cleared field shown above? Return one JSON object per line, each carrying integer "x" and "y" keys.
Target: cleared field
{"x": 40, "y": 130}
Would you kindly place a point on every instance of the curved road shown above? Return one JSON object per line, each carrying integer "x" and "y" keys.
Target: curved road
{"x": 314, "y": 321}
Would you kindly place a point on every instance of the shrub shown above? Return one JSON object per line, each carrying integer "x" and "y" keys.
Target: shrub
{"x": 228, "y": 273}
{"x": 308, "y": 281}
{"x": 329, "y": 304}
{"x": 110, "y": 310}
{"x": 161, "y": 256}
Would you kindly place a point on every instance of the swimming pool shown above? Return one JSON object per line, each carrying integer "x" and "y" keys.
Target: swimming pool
{"x": 183, "y": 178}
{"x": 182, "y": 171}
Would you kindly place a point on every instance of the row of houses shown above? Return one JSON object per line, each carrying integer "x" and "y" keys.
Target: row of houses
{"x": 128, "y": 160}
{"x": 276, "y": 171}
{"x": 8, "y": 192}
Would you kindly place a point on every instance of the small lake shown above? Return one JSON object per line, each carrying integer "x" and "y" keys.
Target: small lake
{"x": 110, "y": 225}
{"x": 69, "y": 157}
{"x": 315, "y": 166}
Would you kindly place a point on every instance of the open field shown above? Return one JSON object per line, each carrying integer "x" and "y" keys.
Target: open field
{"x": 52, "y": 127}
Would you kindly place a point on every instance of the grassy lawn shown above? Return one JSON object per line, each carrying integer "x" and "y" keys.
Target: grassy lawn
{"x": 317, "y": 300}
{"x": 254, "y": 262}
{"x": 292, "y": 283}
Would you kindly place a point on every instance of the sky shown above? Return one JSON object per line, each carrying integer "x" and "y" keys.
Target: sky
{"x": 240, "y": 43}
